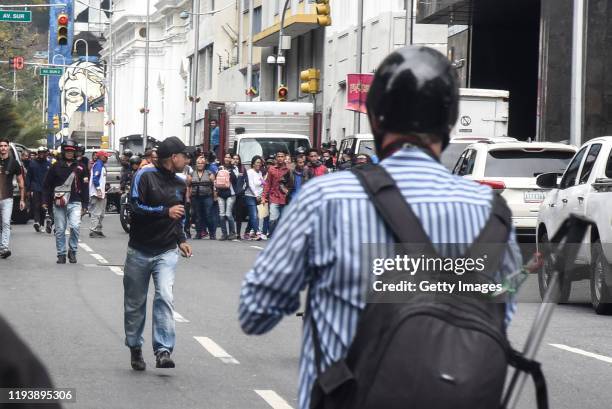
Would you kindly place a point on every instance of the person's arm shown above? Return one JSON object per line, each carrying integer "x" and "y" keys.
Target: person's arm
{"x": 80, "y": 178}
{"x": 22, "y": 191}
{"x": 97, "y": 174}
{"x": 138, "y": 197}
{"x": 251, "y": 175}
{"x": 28, "y": 178}
{"x": 512, "y": 261}
{"x": 189, "y": 189}
{"x": 272, "y": 288}
{"x": 266, "y": 190}
{"x": 48, "y": 185}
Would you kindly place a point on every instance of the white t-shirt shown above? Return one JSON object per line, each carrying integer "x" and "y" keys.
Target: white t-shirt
{"x": 256, "y": 183}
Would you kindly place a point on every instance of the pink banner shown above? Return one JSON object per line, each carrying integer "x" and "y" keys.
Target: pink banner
{"x": 358, "y": 86}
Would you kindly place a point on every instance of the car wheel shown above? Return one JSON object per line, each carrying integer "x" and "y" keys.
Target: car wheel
{"x": 545, "y": 273}
{"x": 600, "y": 292}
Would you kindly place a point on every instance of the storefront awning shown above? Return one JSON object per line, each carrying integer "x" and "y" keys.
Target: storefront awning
{"x": 295, "y": 26}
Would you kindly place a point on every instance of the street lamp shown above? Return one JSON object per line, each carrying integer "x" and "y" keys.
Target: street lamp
{"x": 145, "y": 110}
{"x": 194, "y": 69}
{"x": 86, "y": 81}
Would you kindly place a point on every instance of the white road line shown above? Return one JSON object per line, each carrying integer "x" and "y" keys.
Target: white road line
{"x": 99, "y": 258}
{"x": 179, "y": 318}
{"x": 257, "y": 247}
{"x": 273, "y": 399}
{"x": 86, "y": 247}
{"x": 215, "y": 350}
{"x": 583, "y": 352}
{"x": 116, "y": 270}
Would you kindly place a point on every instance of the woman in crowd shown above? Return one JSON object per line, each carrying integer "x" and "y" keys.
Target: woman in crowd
{"x": 253, "y": 197}
{"x": 240, "y": 208}
{"x": 202, "y": 190}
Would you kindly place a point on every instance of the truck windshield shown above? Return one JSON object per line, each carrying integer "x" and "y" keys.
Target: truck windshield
{"x": 519, "y": 163}
{"x": 264, "y": 147}
{"x": 367, "y": 147}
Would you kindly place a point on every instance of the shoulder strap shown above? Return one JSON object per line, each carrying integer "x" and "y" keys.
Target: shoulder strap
{"x": 391, "y": 205}
{"x": 499, "y": 225}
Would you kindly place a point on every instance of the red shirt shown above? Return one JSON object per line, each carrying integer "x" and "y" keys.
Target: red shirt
{"x": 272, "y": 191}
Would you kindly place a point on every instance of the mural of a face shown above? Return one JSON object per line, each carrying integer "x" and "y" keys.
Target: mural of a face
{"x": 79, "y": 80}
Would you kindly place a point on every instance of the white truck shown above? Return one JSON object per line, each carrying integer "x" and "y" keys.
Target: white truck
{"x": 482, "y": 113}
{"x": 290, "y": 124}
{"x": 584, "y": 189}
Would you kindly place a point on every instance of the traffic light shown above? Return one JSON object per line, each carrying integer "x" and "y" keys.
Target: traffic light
{"x": 323, "y": 13}
{"x": 282, "y": 93}
{"x": 62, "y": 29}
{"x": 16, "y": 63}
{"x": 311, "y": 77}
{"x": 56, "y": 123}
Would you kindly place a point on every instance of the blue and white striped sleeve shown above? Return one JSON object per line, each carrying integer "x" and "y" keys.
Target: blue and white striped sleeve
{"x": 272, "y": 288}
{"x": 511, "y": 263}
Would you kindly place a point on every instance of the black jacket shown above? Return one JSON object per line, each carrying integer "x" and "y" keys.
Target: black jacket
{"x": 37, "y": 170}
{"x": 154, "y": 191}
{"x": 57, "y": 175}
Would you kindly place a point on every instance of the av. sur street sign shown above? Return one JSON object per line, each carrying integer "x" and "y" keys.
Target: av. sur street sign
{"x": 16, "y": 16}
{"x": 50, "y": 71}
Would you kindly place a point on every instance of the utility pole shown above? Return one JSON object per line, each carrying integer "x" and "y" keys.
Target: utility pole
{"x": 15, "y": 94}
{"x": 250, "y": 65}
{"x": 194, "y": 73}
{"x": 359, "y": 60}
{"x": 577, "y": 94}
{"x": 280, "y": 56}
{"x": 409, "y": 5}
{"x": 145, "y": 131}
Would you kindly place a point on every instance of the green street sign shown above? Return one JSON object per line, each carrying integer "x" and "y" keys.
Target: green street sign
{"x": 16, "y": 16}
{"x": 50, "y": 71}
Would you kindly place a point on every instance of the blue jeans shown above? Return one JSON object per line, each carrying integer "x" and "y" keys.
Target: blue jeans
{"x": 6, "y": 211}
{"x": 71, "y": 216}
{"x": 202, "y": 206}
{"x": 276, "y": 210}
{"x": 251, "y": 203}
{"x": 138, "y": 269}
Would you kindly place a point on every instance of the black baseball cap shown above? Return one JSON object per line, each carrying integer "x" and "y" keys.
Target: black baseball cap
{"x": 171, "y": 146}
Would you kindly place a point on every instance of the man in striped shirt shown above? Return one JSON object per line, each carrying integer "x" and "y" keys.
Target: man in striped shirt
{"x": 412, "y": 106}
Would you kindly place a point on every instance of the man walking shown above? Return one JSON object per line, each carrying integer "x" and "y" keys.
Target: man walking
{"x": 325, "y": 255}
{"x": 157, "y": 197}
{"x": 315, "y": 166}
{"x": 214, "y": 137}
{"x": 97, "y": 194}
{"x": 9, "y": 169}
{"x": 273, "y": 191}
{"x": 65, "y": 188}
{"x": 35, "y": 177}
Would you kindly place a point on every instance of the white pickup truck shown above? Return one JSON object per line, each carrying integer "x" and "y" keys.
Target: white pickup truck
{"x": 585, "y": 189}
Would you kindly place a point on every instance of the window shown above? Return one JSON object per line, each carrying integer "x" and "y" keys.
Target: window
{"x": 467, "y": 166}
{"x": 256, "y": 20}
{"x": 519, "y": 163}
{"x": 609, "y": 166}
{"x": 569, "y": 178}
{"x": 205, "y": 68}
{"x": 589, "y": 162}
{"x": 459, "y": 163}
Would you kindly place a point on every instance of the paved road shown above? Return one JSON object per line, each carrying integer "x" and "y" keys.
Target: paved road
{"x": 72, "y": 317}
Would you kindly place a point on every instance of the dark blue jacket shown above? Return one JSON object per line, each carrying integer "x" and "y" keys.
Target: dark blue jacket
{"x": 37, "y": 170}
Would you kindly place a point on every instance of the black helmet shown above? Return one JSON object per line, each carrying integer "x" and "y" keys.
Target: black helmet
{"x": 128, "y": 153}
{"x": 69, "y": 145}
{"x": 135, "y": 160}
{"x": 415, "y": 90}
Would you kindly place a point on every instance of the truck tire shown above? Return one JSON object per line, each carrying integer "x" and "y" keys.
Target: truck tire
{"x": 601, "y": 299}
{"x": 546, "y": 271}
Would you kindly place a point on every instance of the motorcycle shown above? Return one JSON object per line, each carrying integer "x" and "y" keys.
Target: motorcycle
{"x": 125, "y": 211}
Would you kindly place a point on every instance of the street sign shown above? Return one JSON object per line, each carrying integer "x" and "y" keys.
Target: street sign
{"x": 50, "y": 71}
{"x": 16, "y": 16}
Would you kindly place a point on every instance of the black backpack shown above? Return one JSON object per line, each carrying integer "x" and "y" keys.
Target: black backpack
{"x": 434, "y": 352}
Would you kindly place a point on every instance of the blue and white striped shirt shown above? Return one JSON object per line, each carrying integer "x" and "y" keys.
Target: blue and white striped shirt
{"x": 319, "y": 239}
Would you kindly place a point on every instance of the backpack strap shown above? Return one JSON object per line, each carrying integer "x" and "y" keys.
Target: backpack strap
{"x": 533, "y": 368}
{"x": 392, "y": 206}
{"x": 498, "y": 227}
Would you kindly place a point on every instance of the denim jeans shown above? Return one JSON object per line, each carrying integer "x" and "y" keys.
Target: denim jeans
{"x": 138, "y": 269}
{"x": 6, "y": 211}
{"x": 202, "y": 206}
{"x": 251, "y": 203}
{"x": 71, "y": 216}
{"x": 276, "y": 211}
{"x": 226, "y": 215}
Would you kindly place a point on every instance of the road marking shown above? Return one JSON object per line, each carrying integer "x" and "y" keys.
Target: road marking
{"x": 86, "y": 247}
{"x": 273, "y": 399}
{"x": 179, "y": 318}
{"x": 257, "y": 247}
{"x": 215, "y": 350}
{"x": 99, "y": 258}
{"x": 583, "y": 352}
{"x": 116, "y": 270}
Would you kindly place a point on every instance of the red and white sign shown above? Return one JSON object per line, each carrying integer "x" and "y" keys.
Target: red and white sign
{"x": 358, "y": 86}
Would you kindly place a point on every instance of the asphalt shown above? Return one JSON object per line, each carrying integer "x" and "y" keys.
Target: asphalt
{"x": 71, "y": 316}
